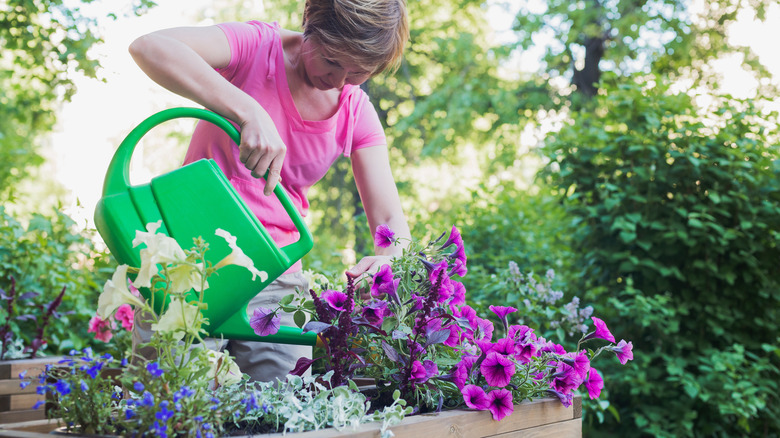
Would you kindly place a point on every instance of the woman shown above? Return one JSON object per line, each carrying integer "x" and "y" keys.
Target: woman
{"x": 297, "y": 102}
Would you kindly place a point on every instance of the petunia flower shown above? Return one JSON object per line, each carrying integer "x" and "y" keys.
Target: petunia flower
{"x": 179, "y": 318}
{"x": 124, "y": 314}
{"x": 497, "y": 369}
{"x": 382, "y": 278}
{"x": 237, "y": 256}
{"x": 458, "y": 293}
{"x": 502, "y": 312}
{"x": 115, "y": 293}
{"x": 264, "y": 321}
{"x": 418, "y": 372}
{"x": 500, "y": 403}
{"x": 384, "y": 236}
{"x": 101, "y": 328}
{"x": 336, "y": 299}
{"x": 624, "y": 351}
{"x": 601, "y": 332}
{"x": 475, "y": 397}
{"x": 566, "y": 399}
{"x": 375, "y": 312}
{"x": 185, "y": 277}
{"x": 454, "y": 239}
{"x": 578, "y": 361}
{"x": 160, "y": 249}
{"x": 594, "y": 384}
{"x": 458, "y": 263}
{"x": 223, "y": 369}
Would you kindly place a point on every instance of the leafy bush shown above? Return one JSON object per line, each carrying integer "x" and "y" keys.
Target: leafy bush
{"x": 42, "y": 258}
{"x": 679, "y": 224}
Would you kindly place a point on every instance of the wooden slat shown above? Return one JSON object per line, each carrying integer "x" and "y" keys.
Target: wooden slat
{"x": 44, "y": 426}
{"x": 23, "y": 434}
{"x": 12, "y": 386}
{"x": 460, "y": 423}
{"x": 19, "y": 402}
{"x": 10, "y": 369}
{"x": 20, "y": 416}
{"x": 565, "y": 429}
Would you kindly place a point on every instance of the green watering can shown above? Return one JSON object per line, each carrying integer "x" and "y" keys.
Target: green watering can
{"x": 193, "y": 201}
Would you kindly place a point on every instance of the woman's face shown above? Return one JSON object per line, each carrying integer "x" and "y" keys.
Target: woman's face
{"x": 327, "y": 71}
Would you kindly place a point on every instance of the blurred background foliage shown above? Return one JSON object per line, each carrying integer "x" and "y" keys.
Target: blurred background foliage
{"x": 620, "y": 165}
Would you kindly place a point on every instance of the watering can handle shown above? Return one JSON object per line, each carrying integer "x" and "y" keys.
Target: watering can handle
{"x": 118, "y": 174}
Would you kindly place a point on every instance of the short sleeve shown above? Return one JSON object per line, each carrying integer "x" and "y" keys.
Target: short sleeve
{"x": 244, "y": 40}
{"x": 368, "y": 130}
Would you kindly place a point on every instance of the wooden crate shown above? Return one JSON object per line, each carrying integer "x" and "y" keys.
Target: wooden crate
{"x": 16, "y": 403}
{"x": 545, "y": 418}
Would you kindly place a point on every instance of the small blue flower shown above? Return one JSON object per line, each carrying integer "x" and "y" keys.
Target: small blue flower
{"x": 24, "y": 384}
{"x": 73, "y": 352}
{"x": 207, "y": 426}
{"x": 164, "y": 414}
{"x": 95, "y": 370}
{"x": 23, "y": 374}
{"x": 108, "y": 357}
{"x": 154, "y": 369}
{"x": 124, "y": 362}
{"x": 84, "y": 387}
{"x": 184, "y": 392}
{"x": 62, "y": 387}
{"x": 129, "y": 414}
{"x": 38, "y": 404}
{"x": 42, "y": 390}
{"x": 266, "y": 407}
{"x": 87, "y": 354}
{"x": 138, "y": 386}
{"x": 209, "y": 435}
{"x": 198, "y": 418}
{"x": 148, "y": 399}
{"x": 161, "y": 430}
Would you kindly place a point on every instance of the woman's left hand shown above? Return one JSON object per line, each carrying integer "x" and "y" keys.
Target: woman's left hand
{"x": 368, "y": 266}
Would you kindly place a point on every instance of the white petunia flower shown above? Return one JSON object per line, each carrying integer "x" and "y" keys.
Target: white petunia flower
{"x": 237, "y": 257}
{"x": 115, "y": 293}
{"x": 224, "y": 368}
{"x": 159, "y": 249}
{"x": 179, "y": 318}
{"x": 187, "y": 276}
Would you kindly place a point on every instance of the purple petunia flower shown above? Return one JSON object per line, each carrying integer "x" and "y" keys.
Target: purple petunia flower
{"x": 383, "y": 282}
{"x": 497, "y": 369}
{"x": 384, "y": 236}
{"x": 337, "y": 300}
{"x": 500, "y": 403}
{"x": 601, "y": 332}
{"x": 502, "y": 312}
{"x": 565, "y": 379}
{"x": 418, "y": 372}
{"x": 459, "y": 263}
{"x": 566, "y": 399}
{"x": 264, "y": 321}
{"x": 475, "y": 397}
{"x": 455, "y": 238}
{"x": 375, "y": 312}
{"x": 594, "y": 384}
{"x": 458, "y": 293}
{"x": 578, "y": 361}
{"x": 624, "y": 351}
{"x": 462, "y": 370}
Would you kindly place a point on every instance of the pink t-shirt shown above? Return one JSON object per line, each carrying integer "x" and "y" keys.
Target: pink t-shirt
{"x": 257, "y": 67}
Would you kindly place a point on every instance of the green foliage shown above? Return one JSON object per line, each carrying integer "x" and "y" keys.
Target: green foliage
{"x": 678, "y": 212}
{"x": 44, "y": 256}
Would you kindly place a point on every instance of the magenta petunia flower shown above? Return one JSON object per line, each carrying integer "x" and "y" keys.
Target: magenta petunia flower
{"x": 462, "y": 370}
{"x": 455, "y": 238}
{"x": 375, "y": 312}
{"x": 502, "y": 312}
{"x": 101, "y": 328}
{"x": 505, "y": 346}
{"x": 124, "y": 314}
{"x": 264, "y": 322}
{"x": 565, "y": 399}
{"x": 624, "y": 351}
{"x": 454, "y": 338}
{"x": 497, "y": 369}
{"x": 521, "y": 333}
{"x": 458, "y": 293}
{"x": 601, "y": 332}
{"x": 459, "y": 263}
{"x": 336, "y": 299}
{"x": 500, "y": 403}
{"x": 384, "y": 284}
{"x": 384, "y": 236}
{"x": 485, "y": 346}
{"x": 578, "y": 361}
{"x": 475, "y": 397}
{"x": 419, "y": 373}
{"x": 594, "y": 384}
{"x": 525, "y": 352}
{"x": 565, "y": 379}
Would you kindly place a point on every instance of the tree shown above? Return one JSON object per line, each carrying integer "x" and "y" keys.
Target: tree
{"x": 45, "y": 43}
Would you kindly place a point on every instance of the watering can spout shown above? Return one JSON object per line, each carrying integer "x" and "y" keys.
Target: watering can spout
{"x": 194, "y": 201}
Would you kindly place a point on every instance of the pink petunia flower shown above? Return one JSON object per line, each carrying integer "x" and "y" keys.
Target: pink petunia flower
{"x": 384, "y": 284}
{"x": 264, "y": 321}
{"x": 384, "y": 236}
{"x": 594, "y": 384}
{"x": 497, "y": 369}
{"x": 500, "y": 403}
{"x": 502, "y": 312}
{"x": 505, "y": 346}
{"x": 624, "y": 351}
{"x": 458, "y": 293}
{"x": 462, "y": 370}
{"x": 336, "y": 299}
{"x": 578, "y": 361}
{"x": 124, "y": 314}
{"x": 565, "y": 379}
{"x": 475, "y": 397}
{"x": 419, "y": 373}
{"x": 101, "y": 328}
{"x": 601, "y": 332}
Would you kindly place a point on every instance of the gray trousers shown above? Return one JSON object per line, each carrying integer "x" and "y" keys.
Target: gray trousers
{"x": 263, "y": 361}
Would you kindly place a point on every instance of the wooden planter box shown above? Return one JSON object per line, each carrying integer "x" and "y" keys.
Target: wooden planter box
{"x": 537, "y": 419}
{"x": 16, "y": 403}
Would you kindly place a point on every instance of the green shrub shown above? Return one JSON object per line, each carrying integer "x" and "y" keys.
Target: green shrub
{"x": 678, "y": 212}
{"x": 44, "y": 256}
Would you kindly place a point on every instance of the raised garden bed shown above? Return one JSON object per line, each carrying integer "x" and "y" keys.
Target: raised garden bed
{"x": 539, "y": 418}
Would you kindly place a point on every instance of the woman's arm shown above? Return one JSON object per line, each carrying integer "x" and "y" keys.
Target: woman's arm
{"x": 183, "y": 61}
{"x": 377, "y": 189}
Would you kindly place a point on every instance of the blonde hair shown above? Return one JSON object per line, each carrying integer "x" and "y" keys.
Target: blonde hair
{"x": 371, "y": 33}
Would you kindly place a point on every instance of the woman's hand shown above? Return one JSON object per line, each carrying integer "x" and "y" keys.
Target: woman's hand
{"x": 362, "y": 273}
{"x": 261, "y": 150}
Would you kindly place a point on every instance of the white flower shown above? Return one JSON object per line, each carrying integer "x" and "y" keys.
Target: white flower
{"x": 224, "y": 368}
{"x": 159, "y": 249}
{"x": 237, "y": 257}
{"x": 186, "y": 276}
{"x": 115, "y": 293}
{"x": 179, "y": 318}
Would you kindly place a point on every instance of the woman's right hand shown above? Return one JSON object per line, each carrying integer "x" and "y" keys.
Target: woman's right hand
{"x": 262, "y": 149}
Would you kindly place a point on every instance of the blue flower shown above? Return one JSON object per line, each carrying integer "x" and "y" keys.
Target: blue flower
{"x": 250, "y": 402}
{"x": 87, "y": 354}
{"x": 108, "y": 357}
{"x": 42, "y": 390}
{"x": 164, "y": 414}
{"x": 198, "y": 418}
{"x": 160, "y": 430}
{"x": 24, "y": 384}
{"x": 23, "y": 374}
{"x": 84, "y": 387}
{"x": 124, "y": 362}
{"x": 266, "y": 407}
{"x": 138, "y": 386}
{"x": 148, "y": 399}
{"x": 129, "y": 414}
{"x": 184, "y": 392}
{"x": 38, "y": 404}
{"x": 154, "y": 369}
{"x": 94, "y": 370}
{"x": 62, "y": 387}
